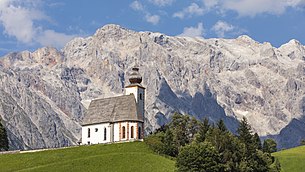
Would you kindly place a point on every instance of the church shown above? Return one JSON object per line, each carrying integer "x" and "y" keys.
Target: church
{"x": 116, "y": 119}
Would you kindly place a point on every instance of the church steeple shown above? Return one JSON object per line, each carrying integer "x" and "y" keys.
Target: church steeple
{"x": 135, "y": 77}
{"x": 136, "y": 89}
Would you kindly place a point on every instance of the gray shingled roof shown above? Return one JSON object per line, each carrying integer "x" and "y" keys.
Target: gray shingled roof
{"x": 114, "y": 109}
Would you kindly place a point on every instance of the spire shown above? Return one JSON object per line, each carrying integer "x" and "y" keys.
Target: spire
{"x": 135, "y": 77}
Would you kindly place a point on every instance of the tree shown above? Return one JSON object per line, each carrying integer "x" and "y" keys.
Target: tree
{"x": 221, "y": 126}
{"x": 302, "y": 142}
{"x": 203, "y": 129}
{"x": 269, "y": 146}
{"x": 193, "y": 128}
{"x": 244, "y": 131}
{"x": 246, "y": 137}
{"x": 198, "y": 157}
{"x": 3, "y": 138}
{"x": 257, "y": 142}
{"x": 179, "y": 129}
{"x": 260, "y": 161}
{"x": 170, "y": 148}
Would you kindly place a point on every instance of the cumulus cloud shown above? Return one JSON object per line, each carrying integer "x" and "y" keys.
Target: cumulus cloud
{"x": 210, "y": 3}
{"x": 222, "y": 27}
{"x": 162, "y": 3}
{"x": 137, "y": 6}
{"x": 193, "y": 31}
{"x": 150, "y": 18}
{"x": 153, "y": 19}
{"x": 19, "y": 19}
{"x": 254, "y": 7}
{"x": 50, "y": 37}
{"x": 189, "y": 11}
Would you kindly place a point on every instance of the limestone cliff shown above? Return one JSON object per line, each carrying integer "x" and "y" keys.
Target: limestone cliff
{"x": 43, "y": 93}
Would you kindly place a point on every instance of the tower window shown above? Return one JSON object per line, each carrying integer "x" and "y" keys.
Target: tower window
{"x": 96, "y": 129}
{"x": 88, "y": 132}
{"x": 123, "y": 132}
{"x": 140, "y": 96}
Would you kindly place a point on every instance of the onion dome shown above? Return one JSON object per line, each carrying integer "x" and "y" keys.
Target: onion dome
{"x": 135, "y": 77}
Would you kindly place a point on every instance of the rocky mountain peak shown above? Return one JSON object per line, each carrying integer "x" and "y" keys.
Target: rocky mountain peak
{"x": 293, "y": 49}
{"x": 206, "y": 78}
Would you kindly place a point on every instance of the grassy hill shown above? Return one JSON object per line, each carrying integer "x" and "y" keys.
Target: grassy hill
{"x": 292, "y": 160}
{"x": 134, "y": 156}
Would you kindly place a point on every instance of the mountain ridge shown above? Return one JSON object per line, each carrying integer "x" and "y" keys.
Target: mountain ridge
{"x": 213, "y": 78}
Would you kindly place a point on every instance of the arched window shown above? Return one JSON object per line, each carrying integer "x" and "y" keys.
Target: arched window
{"x": 139, "y": 133}
{"x": 123, "y": 132}
{"x": 131, "y": 132}
{"x": 140, "y": 96}
{"x": 88, "y": 132}
{"x": 105, "y": 133}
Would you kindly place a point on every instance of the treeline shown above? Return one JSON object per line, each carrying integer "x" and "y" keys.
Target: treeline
{"x": 201, "y": 146}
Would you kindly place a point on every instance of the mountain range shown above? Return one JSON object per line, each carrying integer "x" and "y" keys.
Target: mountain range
{"x": 44, "y": 94}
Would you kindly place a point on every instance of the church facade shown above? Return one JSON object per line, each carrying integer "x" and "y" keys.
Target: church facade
{"x": 116, "y": 119}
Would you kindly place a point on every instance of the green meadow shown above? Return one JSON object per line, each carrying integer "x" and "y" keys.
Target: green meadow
{"x": 135, "y": 156}
{"x": 292, "y": 160}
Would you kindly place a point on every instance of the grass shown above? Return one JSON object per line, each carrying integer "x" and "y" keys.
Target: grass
{"x": 292, "y": 160}
{"x": 135, "y": 156}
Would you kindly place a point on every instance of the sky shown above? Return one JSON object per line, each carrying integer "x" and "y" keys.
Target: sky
{"x": 31, "y": 24}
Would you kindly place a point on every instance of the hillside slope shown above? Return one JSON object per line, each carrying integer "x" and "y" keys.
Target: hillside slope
{"x": 134, "y": 156}
{"x": 292, "y": 160}
{"x": 47, "y": 90}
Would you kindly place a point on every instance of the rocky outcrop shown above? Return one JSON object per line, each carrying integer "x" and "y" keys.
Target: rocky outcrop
{"x": 206, "y": 78}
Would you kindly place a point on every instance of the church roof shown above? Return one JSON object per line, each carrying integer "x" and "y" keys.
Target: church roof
{"x": 113, "y": 109}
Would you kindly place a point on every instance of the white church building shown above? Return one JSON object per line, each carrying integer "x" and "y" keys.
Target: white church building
{"x": 116, "y": 119}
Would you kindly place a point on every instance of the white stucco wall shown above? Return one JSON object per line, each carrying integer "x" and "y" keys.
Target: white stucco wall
{"x": 116, "y": 137}
{"x": 138, "y": 92}
{"x": 96, "y": 137}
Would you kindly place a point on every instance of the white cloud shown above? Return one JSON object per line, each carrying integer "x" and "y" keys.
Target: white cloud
{"x": 193, "y": 31}
{"x": 150, "y": 18}
{"x": 210, "y": 3}
{"x": 222, "y": 27}
{"x": 154, "y": 19}
{"x": 19, "y": 19}
{"x": 137, "y": 6}
{"x": 13, "y": 17}
{"x": 189, "y": 11}
{"x": 50, "y": 37}
{"x": 254, "y": 7}
{"x": 162, "y": 3}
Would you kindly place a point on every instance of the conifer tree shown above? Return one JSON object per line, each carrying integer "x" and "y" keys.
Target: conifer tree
{"x": 221, "y": 126}
{"x": 3, "y": 138}
{"x": 257, "y": 141}
{"x": 244, "y": 131}
{"x": 246, "y": 137}
{"x": 203, "y": 129}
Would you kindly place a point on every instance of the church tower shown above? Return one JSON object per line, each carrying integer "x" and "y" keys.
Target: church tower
{"x": 136, "y": 89}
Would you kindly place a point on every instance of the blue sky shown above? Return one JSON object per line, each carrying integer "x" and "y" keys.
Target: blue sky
{"x": 30, "y": 24}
